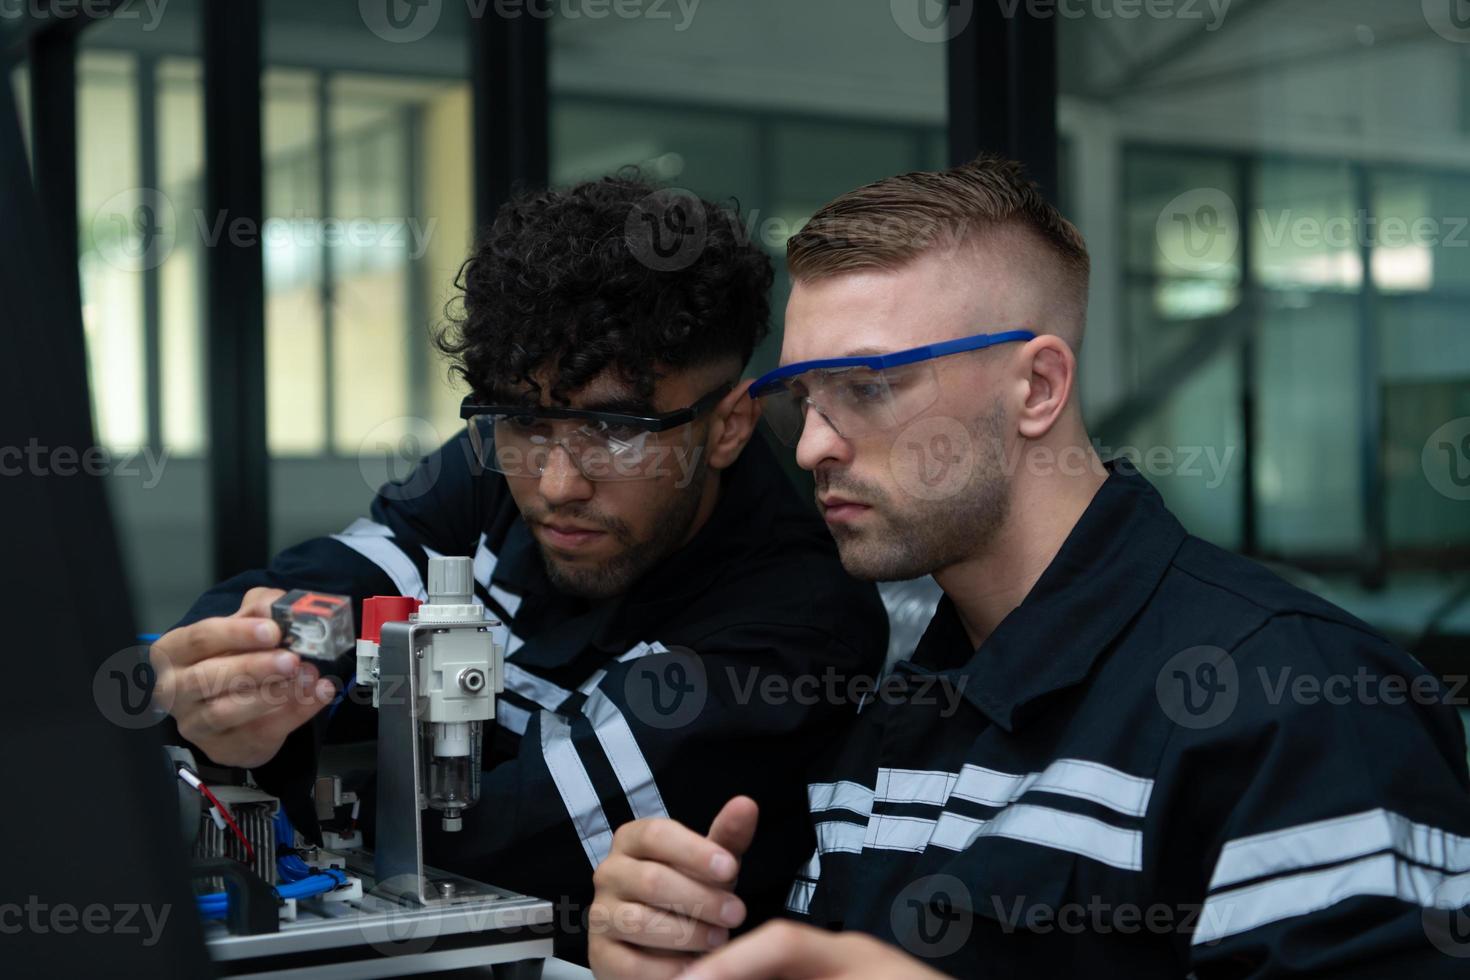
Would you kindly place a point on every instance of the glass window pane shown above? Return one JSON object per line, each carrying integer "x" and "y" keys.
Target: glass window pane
{"x": 116, "y": 245}
{"x": 368, "y": 185}
{"x": 181, "y": 275}
{"x": 1181, "y": 215}
{"x": 1306, "y": 229}
{"x": 1309, "y": 483}
{"x": 1252, "y": 178}
{"x": 1422, "y": 238}
{"x": 140, "y": 176}
{"x": 1190, "y": 449}
{"x": 1424, "y": 357}
{"x": 296, "y": 414}
{"x": 782, "y": 106}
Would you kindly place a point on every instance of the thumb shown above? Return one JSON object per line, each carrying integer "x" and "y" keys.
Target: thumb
{"x": 734, "y": 826}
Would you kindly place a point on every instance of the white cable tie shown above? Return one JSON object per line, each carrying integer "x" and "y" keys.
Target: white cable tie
{"x": 214, "y": 814}
{"x": 190, "y": 778}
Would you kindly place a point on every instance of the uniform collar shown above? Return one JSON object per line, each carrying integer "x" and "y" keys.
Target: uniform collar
{"x": 1104, "y": 573}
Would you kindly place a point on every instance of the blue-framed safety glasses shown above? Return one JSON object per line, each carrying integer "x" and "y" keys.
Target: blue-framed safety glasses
{"x": 858, "y": 395}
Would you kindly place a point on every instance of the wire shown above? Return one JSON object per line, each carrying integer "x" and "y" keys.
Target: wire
{"x": 223, "y": 810}
{"x": 215, "y": 904}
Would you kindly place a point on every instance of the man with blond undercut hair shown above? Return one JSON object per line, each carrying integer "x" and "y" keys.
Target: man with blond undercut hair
{"x": 1134, "y": 783}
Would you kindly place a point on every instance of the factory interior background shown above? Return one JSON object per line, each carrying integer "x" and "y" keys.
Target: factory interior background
{"x": 1276, "y": 195}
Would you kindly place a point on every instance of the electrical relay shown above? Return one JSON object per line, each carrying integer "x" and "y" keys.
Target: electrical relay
{"x": 315, "y": 624}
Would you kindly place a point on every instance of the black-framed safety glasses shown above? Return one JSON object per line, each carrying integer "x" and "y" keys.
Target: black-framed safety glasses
{"x": 518, "y": 440}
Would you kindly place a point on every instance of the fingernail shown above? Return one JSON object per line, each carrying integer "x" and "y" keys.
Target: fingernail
{"x": 266, "y": 632}
{"x": 286, "y": 663}
{"x": 308, "y": 673}
{"x": 325, "y": 691}
{"x": 718, "y": 937}
{"x": 732, "y": 912}
{"x": 722, "y": 865}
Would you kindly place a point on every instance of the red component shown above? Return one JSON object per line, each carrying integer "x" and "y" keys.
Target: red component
{"x": 317, "y": 604}
{"x": 380, "y": 609}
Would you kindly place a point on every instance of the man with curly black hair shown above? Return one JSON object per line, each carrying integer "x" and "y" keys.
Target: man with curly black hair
{"x": 680, "y": 626}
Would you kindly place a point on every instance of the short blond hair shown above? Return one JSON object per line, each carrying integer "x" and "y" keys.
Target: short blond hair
{"x": 888, "y": 223}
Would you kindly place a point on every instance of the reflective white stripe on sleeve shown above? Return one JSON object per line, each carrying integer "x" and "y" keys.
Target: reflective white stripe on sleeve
{"x": 890, "y": 833}
{"x": 1383, "y": 875}
{"x": 618, "y": 741}
{"x": 1047, "y": 827}
{"x": 485, "y": 562}
{"x": 375, "y": 543}
{"x": 1079, "y": 778}
{"x": 841, "y": 795}
{"x": 575, "y": 787}
{"x": 914, "y": 786}
{"x": 641, "y": 650}
{"x": 1338, "y": 839}
{"x": 839, "y": 835}
{"x": 799, "y": 899}
{"x": 534, "y": 688}
{"x": 512, "y": 717}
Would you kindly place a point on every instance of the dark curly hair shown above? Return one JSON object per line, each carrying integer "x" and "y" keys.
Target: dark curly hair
{"x": 565, "y": 279}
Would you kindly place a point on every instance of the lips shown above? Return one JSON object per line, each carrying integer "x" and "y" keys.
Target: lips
{"x": 840, "y": 509}
{"x": 568, "y": 536}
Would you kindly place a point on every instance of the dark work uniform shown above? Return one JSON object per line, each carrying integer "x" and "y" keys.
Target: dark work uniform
{"x": 1165, "y": 762}
{"x": 600, "y": 723}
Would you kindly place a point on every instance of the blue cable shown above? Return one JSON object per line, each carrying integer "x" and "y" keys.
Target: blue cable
{"x": 300, "y": 880}
{"x": 215, "y": 904}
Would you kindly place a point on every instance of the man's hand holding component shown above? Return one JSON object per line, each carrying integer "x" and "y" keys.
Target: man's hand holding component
{"x": 234, "y": 693}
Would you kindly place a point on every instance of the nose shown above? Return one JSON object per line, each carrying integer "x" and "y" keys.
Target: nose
{"x": 561, "y": 482}
{"x": 820, "y": 442}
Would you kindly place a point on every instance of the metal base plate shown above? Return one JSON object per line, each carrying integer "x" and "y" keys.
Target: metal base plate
{"x": 384, "y": 935}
